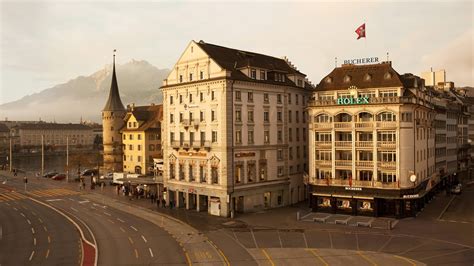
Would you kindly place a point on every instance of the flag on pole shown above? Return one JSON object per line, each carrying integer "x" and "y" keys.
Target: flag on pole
{"x": 360, "y": 31}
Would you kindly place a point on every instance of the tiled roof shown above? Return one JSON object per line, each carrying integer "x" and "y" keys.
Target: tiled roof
{"x": 114, "y": 103}
{"x": 362, "y": 76}
{"x": 232, "y": 60}
{"x": 150, "y": 115}
{"x": 52, "y": 126}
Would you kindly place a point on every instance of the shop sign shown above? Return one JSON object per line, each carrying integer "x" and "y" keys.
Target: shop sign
{"x": 190, "y": 153}
{"x": 245, "y": 154}
{"x": 351, "y": 101}
{"x": 413, "y": 196}
{"x": 354, "y": 188}
{"x": 361, "y": 61}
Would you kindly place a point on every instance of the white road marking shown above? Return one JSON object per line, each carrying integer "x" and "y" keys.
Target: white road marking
{"x": 45, "y": 229}
{"x": 32, "y": 230}
{"x": 8, "y": 204}
{"x": 22, "y": 214}
{"x": 120, "y": 220}
{"x": 71, "y": 199}
{"x": 144, "y": 239}
{"x": 136, "y": 253}
{"x": 1, "y": 232}
{"x": 122, "y": 229}
{"x": 32, "y": 254}
{"x": 108, "y": 214}
{"x": 39, "y": 219}
{"x": 84, "y": 201}
{"x": 34, "y": 213}
{"x": 51, "y": 200}
{"x": 15, "y": 209}
{"x": 72, "y": 208}
{"x": 111, "y": 221}
{"x": 28, "y": 220}
{"x": 47, "y": 254}
{"x": 93, "y": 208}
{"x": 151, "y": 252}
{"x": 49, "y": 239}
{"x": 130, "y": 239}
{"x": 131, "y": 226}
{"x": 34, "y": 241}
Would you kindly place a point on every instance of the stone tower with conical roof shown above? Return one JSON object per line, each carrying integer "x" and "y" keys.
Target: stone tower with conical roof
{"x": 112, "y": 121}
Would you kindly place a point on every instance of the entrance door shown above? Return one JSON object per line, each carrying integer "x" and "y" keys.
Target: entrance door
{"x": 240, "y": 204}
{"x": 267, "y": 196}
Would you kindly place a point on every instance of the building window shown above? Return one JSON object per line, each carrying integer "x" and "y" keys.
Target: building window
{"x": 181, "y": 171}
{"x": 171, "y": 136}
{"x": 139, "y": 158}
{"x": 365, "y": 175}
{"x": 296, "y": 98}
{"x": 213, "y": 115}
{"x": 171, "y": 99}
{"x": 238, "y": 173}
{"x": 263, "y": 171}
{"x": 297, "y": 134}
{"x": 191, "y": 174}
{"x": 181, "y": 117}
{"x": 387, "y": 156}
{"x": 251, "y": 171}
{"x": 266, "y": 136}
{"x": 250, "y": 116}
{"x": 190, "y": 76}
{"x": 250, "y": 136}
{"x": 290, "y": 134}
{"x": 386, "y": 116}
{"x": 323, "y": 118}
{"x": 202, "y": 174}
{"x": 280, "y": 170}
{"x": 407, "y": 117}
{"x": 387, "y": 177}
{"x": 212, "y": 95}
{"x": 214, "y": 136}
{"x": 290, "y": 153}
{"x": 250, "y": 96}
{"x": 172, "y": 171}
{"x": 386, "y": 136}
{"x": 262, "y": 75}
{"x": 201, "y": 75}
{"x": 278, "y": 98}
{"x": 124, "y": 136}
{"x": 265, "y": 98}
{"x": 215, "y": 175}
{"x": 304, "y": 133}
{"x": 238, "y": 96}
{"x": 253, "y": 73}
{"x": 280, "y": 136}
{"x": 297, "y": 116}
{"x": 190, "y": 97}
{"x": 279, "y": 116}
{"x": 124, "y": 157}
{"x": 201, "y": 116}
{"x": 139, "y": 147}
{"x": 180, "y": 98}
{"x": 139, "y": 136}
{"x": 130, "y": 147}
{"x": 180, "y": 78}
{"x": 151, "y": 147}
{"x": 171, "y": 118}
{"x": 289, "y": 98}
{"x": 238, "y": 137}
{"x": 300, "y": 83}
{"x": 129, "y": 124}
{"x": 266, "y": 116}
{"x": 289, "y": 116}
{"x": 238, "y": 116}
{"x": 279, "y": 154}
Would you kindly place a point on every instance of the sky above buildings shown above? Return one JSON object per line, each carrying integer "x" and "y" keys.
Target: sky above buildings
{"x": 47, "y": 43}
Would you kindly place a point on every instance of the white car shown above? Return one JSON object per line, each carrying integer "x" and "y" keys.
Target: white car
{"x": 457, "y": 189}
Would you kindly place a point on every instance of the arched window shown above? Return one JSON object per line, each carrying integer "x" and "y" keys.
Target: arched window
{"x": 386, "y": 116}
{"x": 323, "y": 118}
{"x": 343, "y": 117}
{"x": 364, "y": 116}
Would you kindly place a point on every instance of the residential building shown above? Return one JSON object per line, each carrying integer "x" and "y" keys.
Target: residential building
{"x": 372, "y": 142}
{"x": 234, "y": 130}
{"x": 141, "y": 138}
{"x": 4, "y": 138}
{"x": 432, "y": 78}
{"x": 112, "y": 121}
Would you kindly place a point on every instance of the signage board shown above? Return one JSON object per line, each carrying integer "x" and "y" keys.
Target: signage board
{"x": 351, "y": 100}
{"x": 361, "y": 61}
{"x": 354, "y": 188}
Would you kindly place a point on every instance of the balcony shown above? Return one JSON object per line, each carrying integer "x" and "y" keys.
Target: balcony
{"x": 322, "y": 163}
{"x": 365, "y": 164}
{"x": 389, "y": 185}
{"x": 205, "y": 144}
{"x": 343, "y": 125}
{"x": 354, "y": 183}
{"x": 195, "y": 122}
{"x": 344, "y": 163}
{"x": 387, "y": 165}
{"x": 323, "y": 144}
{"x": 175, "y": 144}
{"x": 387, "y": 144}
{"x": 343, "y": 144}
{"x": 364, "y": 144}
{"x": 372, "y": 100}
{"x": 386, "y": 124}
{"x": 364, "y": 125}
{"x": 186, "y": 144}
{"x": 322, "y": 125}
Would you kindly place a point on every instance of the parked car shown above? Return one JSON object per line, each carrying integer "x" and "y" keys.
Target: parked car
{"x": 59, "y": 177}
{"x": 456, "y": 189}
{"x": 50, "y": 174}
{"x": 107, "y": 178}
{"x": 89, "y": 172}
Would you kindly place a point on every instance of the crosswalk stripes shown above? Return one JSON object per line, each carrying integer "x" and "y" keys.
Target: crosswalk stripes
{"x": 11, "y": 196}
{"x": 52, "y": 192}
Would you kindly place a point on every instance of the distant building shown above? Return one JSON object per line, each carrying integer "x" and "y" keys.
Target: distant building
{"x": 112, "y": 121}
{"x": 141, "y": 137}
{"x": 4, "y": 138}
{"x": 234, "y": 136}
{"x": 55, "y": 136}
{"x": 432, "y": 78}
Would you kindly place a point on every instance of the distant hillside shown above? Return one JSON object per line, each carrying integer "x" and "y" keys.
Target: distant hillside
{"x": 86, "y": 96}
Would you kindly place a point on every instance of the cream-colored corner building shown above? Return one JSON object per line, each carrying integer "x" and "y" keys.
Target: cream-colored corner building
{"x": 234, "y": 130}
{"x": 372, "y": 142}
{"x": 141, "y": 138}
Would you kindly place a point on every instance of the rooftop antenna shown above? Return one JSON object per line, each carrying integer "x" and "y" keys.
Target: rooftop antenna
{"x": 335, "y": 61}
{"x": 387, "y": 57}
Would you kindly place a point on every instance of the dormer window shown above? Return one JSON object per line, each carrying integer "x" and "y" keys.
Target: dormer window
{"x": 263, "y": 75}
{"x": 300, "y": 83}
{"x": 253, "y": 73}
{"x": 388, "y": 75}
{"x": 328, "y": 80}
{"x": 347, "y": 79}
{"x": 368, "y": 77}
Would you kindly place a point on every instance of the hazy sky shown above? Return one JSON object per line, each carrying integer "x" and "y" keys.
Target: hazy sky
{"x": 46, "y": 43}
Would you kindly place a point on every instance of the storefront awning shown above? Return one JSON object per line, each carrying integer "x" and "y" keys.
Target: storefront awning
{"x": 139, "y": 181}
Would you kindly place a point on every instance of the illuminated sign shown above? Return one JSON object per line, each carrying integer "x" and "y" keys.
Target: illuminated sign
{"x": 361, "y": 61}
{"x": 348, "y": 101}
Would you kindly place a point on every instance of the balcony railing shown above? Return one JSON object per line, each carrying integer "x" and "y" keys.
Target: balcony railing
{"x": 354, "y": 183}
{"x": 387, "y": 144}
{"x": 323, "y": 144}
{"x": 364, "y": 144}
{"x": 205, "y": 144}
{"x": 323, "y": 163}
{"x": 367, "y": 125}
{"x": 185, "y": 122}
{"x": 195, "y": 122}
{"x": 386, "y": 124}
{"x": 344, "y": 163}
{"x": 342, "y": 125}
{"x": 175, "y": 144}
{"x": 372, "y": 100}
{"x": 322, "y": 125}
{"x": 387, "y": 164}
{"x": 366, "y": 164}
{"x": 343, "y": 144}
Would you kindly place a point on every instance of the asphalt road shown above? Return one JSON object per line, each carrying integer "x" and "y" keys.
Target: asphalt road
{"x": 33, "y": 234}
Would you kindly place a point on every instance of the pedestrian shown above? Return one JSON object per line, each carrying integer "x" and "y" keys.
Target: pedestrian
{"x": 37, "y": 175}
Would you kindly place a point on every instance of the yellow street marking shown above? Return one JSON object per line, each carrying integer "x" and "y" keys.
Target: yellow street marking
{"x": 47, "y": 254}
{"x": 187, "y": 258}
{"x": 225, "y": 258}
{"x": 268, "y": 257}
{"x": 367, "y": 258}
{"x": 405, "y": 259}
{"x": 136, "y": 253}
{"x": 313, "y": 251}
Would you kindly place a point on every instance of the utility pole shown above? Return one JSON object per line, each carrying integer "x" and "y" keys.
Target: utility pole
{"x": 67, "y": 159}
{"x": 10, "y": 161}
{"x": 42, "y": 155}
